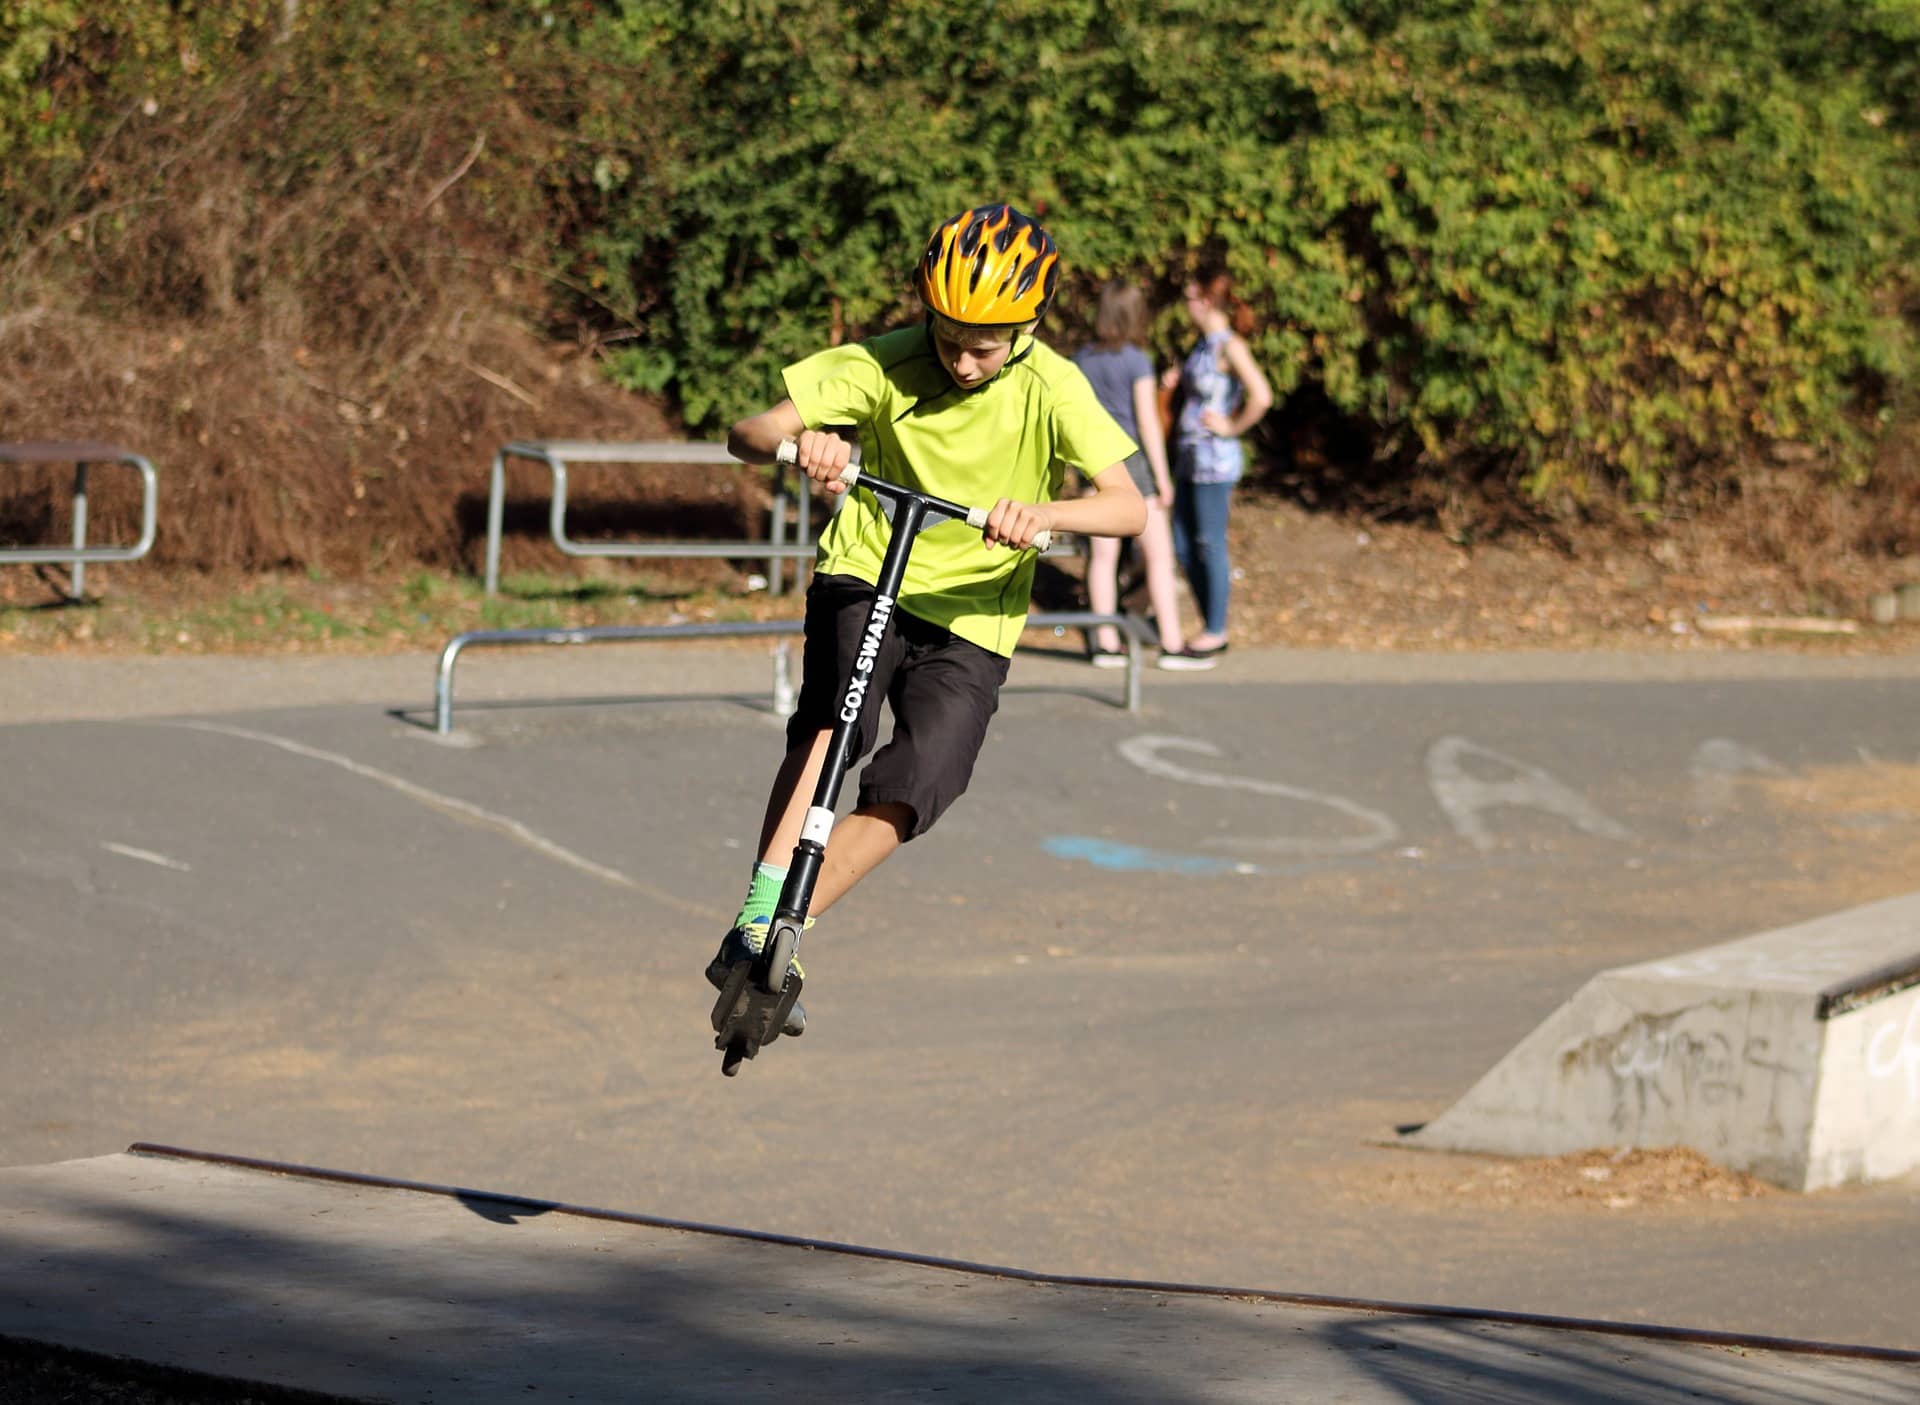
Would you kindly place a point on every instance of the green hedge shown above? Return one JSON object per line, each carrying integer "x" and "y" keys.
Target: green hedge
{"x": 1610, "y": 244}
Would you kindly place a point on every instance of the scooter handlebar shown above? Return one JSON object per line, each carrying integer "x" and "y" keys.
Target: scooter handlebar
{"x": 788, "y": 455}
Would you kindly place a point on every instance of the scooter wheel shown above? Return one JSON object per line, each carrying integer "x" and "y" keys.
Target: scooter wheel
{"x": 779, "y": 958}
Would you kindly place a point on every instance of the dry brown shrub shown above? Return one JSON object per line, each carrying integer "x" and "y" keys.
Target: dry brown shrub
{"x": 317, "y": 312}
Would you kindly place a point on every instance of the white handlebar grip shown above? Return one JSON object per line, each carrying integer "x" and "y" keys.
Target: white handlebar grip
{"x": 977, "y": 519}
{"x": 788, "y": 454}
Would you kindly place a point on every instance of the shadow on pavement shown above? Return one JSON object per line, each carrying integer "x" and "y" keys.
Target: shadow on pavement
{"x": 365, "y": 1290}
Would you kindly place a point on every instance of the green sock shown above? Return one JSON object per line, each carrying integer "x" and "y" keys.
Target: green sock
{"x": 763, "y": 894}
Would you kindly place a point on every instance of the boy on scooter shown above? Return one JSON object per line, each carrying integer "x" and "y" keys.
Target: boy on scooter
{"x": 968, "y": 406}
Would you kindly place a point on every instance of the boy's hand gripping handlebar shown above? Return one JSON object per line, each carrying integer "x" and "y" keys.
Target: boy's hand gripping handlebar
{"x": 788, "y": 454}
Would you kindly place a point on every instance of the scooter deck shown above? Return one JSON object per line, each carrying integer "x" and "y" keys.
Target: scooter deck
{"x": 747, "y": 1016}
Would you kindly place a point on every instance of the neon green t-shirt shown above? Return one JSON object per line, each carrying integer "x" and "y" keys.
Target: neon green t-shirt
{"x": 1010, "y": 438}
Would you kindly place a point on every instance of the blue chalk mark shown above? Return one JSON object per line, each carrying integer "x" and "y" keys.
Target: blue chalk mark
{"x": 1131, "y": 858}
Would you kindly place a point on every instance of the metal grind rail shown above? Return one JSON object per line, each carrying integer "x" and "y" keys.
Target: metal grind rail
{"x": 1133, "y": 630}
{"x": 83, "y": 454}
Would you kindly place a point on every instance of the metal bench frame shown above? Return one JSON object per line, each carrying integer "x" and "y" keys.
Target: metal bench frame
{"x": 556, "y": 454}
{"x": 83, "y": 454}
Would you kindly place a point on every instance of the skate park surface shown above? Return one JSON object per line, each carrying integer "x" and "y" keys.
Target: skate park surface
{"x": 1152, "y": 1003}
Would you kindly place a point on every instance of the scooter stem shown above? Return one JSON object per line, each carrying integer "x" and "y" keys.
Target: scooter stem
{"x": 911, "y": 512}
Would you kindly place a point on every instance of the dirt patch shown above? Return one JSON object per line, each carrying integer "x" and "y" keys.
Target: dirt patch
{"x": 1308, "y": 579}
{"x": 1341, "y": 580}
{"x": 1664, "y": 1178}
{"x": 1846, "y": 800}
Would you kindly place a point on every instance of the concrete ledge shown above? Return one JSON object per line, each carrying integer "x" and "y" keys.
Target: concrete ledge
{"x": 1793, "y": 1055}
{"x": 362, "y": 1289}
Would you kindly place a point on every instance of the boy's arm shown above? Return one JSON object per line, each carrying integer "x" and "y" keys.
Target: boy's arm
{"x": 823, "y": 456}
{"x": 756, "y": 438}
{"x": 1114, "y": 509}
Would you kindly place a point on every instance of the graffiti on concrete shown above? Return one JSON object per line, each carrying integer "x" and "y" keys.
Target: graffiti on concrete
{"x": 1893, "y": 1050}
{"x": 1658, "y": 1068}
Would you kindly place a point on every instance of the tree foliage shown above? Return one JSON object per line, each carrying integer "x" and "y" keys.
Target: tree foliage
{"x": 1600, "y": 242}
{"x": 1601, "y": 245}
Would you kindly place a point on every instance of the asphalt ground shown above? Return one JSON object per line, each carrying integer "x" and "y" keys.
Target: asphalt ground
{"x": 1150, "y": 1003}
{"x": 276, "y": 1285}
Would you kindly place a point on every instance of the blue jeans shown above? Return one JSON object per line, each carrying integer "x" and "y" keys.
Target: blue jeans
{"x": 1200, "y": 543}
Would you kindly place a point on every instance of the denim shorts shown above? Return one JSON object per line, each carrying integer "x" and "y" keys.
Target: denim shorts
{"x": 941, "y": 689}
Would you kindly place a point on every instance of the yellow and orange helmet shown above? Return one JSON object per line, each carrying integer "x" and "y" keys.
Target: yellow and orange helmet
{"x": 989, "y": 267}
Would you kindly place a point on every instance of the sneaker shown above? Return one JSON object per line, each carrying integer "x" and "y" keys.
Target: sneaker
{"x": 1109, "y": 658}
{"x": 744, "y": 943}
{"x": 1186, "y": 659}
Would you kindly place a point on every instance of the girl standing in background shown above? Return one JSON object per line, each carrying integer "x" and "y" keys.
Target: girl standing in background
{"x": 1224, "y": 396}
{"x": 1121, "y": 374}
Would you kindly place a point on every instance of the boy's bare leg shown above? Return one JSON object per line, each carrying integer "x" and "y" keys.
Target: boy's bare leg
{"x": 792, "y": 793}
{"x": 859, "y": 843}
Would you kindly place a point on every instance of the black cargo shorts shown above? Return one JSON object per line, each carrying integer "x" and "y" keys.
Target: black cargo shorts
{"x": 941, "y": 690}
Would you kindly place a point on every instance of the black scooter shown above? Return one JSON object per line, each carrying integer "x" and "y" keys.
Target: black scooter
{"x": 758, "y": 994}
